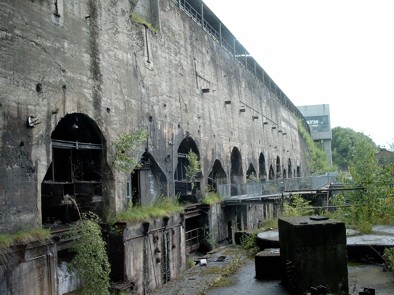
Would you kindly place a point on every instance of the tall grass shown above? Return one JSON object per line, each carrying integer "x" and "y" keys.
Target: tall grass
{"x": 165, "y": 206}
{"x": 212, "y": 198}
{"x": 23, "y": 237}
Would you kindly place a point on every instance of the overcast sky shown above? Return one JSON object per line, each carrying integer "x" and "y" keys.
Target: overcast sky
{"x": 336, "y": 52}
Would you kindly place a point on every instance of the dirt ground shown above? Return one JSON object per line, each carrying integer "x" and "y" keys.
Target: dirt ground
{"x": 199, "y": 280}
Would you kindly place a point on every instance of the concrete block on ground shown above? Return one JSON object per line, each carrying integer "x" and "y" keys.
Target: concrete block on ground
{"x": 267, "y": 264}
{"x": 313, "y": 253}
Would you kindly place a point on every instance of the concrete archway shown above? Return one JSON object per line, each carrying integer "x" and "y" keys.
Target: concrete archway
{"x": 278, "y": 167}
{"x": 236, "y": 172}
{"x": 289, "y": 168}
{"x": 217, "y": 176}
{"x": 251, "y": 173}
{"x": 183, "y": 186}
{"x": 271, "y": 173}
{"x": 148, "y": 181}
{"x": 262, "y": 168}
{"x": 74, "y": 181}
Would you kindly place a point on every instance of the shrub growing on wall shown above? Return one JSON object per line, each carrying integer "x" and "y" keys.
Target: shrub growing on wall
{"x": 125, "y": 146}
{"x": 91, "y": 260}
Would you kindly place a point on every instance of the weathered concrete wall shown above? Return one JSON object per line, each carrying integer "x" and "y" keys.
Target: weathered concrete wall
{"x": 29, "y": 270}
{"x": 88, "y": 57}
{"x": 154, "y": 256}
{"x": 224, "y": 221}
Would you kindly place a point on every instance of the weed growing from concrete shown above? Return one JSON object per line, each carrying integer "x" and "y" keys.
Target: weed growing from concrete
{"x": 212, "y": 198}
{"x": 164, "y": 206}
{"x": 23, "y": 237}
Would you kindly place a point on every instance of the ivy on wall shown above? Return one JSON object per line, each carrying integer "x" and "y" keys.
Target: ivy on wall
{"x": 318, "y": 159}
{"x": 91, "y": 261}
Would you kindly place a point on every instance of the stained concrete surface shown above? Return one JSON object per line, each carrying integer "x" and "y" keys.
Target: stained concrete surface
{"x": 196, "y": 280}
{"x": 360, "y": 277}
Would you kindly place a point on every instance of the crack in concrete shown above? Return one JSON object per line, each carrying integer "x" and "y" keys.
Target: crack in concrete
{"x": 36, "y": 44}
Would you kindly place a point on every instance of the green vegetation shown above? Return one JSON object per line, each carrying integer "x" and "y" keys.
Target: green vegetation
{"x": 225, "y": 273}
{"x": 164, "y": 206}
{"x": 193, "y": 167}
{"x": 134, "y": 17}
{"x": 269, "y": 223}
{"x": 297, "y": 206}
{"x": 389, "y": 258}
{"x": 212, "y": 198}
{"x": 249, "y": 243}
{"x": 90, "y": 261}
{"x": 252, "y": 178}
{"x": 207, "y": 243}
{"x": 318, "y": 163}
{"x": 343, "y": 141}
{"x": 374, "y": 204}
{"x": 125, "y": 146}
{"x": 23, "y": 237}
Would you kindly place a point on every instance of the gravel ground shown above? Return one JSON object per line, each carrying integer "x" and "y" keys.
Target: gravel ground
{"x": 199, "y": 279}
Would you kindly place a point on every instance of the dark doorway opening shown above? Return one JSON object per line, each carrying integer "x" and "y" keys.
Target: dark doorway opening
{"x": 217, "y": 176}
{"x": 271, "y": 174}
{"x": 251, "y": 174}
{"x": 236, "y": 172}
{"x": 184, "y": 187}
{"x": 278, "y": 170}
{"x": 262, "y": 169}
{"x": 148, "y": 181}
{"x": 73, "y": 182}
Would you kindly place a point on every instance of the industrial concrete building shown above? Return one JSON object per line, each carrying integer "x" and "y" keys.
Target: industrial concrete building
{"x": 318, "y": 119}
{"x": 77, "y": 75}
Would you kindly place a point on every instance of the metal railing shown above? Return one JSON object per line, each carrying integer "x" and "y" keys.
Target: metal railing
{"x": 193, "y": 239}
{"x": 232, "y": 46}
{"x": 277, "y": 186}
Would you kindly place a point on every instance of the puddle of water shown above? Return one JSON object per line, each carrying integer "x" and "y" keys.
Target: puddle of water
{"x": 245, "y": 283}
{"x": 360, "y": 277}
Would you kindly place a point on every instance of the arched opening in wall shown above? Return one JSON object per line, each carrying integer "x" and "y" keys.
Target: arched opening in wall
{"x": 289, "y": 168}
{"x": 236, "y": 171}
{"x": 184, "y": 187}
{"x": 251, "y": 175}
{"x": 278, "y": 167}
{"x": 298, "y": 171}
{"x": 74, "y": 181}
{"x": 284, "y": 175}
{"x": 271, "y": 173}
{"x": 262, "y": 169}
{"x": 148, "y": 182}
{"x": 217, "y": 176}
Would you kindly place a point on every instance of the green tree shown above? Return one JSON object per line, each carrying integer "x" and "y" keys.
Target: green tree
{"x": 374, "y": 203}
{"x": 343, "y": 140}
{"x": 193, "y": 167}
{"x": 125, "y": 147}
